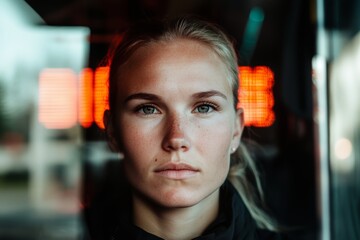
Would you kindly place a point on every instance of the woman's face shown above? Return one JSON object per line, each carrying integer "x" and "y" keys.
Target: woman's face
{"x": 176, "y": 122}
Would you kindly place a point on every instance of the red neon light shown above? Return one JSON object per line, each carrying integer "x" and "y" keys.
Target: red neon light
{"x": 86, "y": 97}
{"x": 101, "y": 94}
{"x": 256, "y": 97}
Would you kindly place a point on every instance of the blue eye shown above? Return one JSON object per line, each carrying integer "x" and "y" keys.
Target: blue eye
{"x": 147, "y": 110}
{"x": 205, "y": 108}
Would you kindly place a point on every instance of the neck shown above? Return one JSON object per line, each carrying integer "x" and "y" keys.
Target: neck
{"x": 176, "y": 223}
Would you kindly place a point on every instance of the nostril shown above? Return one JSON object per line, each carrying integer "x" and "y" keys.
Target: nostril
{"x": 177, "y": 144}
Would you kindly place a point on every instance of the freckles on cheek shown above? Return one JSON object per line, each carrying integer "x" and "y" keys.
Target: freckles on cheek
{"x": 138, "y": 146}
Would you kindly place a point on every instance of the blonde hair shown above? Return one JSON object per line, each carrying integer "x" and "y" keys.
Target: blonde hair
{"x": 244, "y": 176}
{"x": 243, "y": 168}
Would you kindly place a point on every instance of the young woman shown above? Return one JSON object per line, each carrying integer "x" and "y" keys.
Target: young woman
{"x": 173, "y": 115}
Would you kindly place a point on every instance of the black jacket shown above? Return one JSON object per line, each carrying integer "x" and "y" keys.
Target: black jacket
{"x": 109, "y": 218}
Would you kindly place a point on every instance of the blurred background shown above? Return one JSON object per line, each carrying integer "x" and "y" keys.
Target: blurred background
{"x": 300, "y": 65}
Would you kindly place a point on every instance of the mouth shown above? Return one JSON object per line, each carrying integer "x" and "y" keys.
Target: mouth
{"x": 177, "y": 171}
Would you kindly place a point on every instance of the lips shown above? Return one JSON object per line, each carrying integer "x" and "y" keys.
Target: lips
{"x": 176, "y": 167}
{"x": 177, "y": 171}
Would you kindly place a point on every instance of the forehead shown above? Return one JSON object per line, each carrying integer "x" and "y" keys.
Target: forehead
{"x": 175, "y": 61}
{"x": 187, "y": 47}
{"x": 177, "y": 49}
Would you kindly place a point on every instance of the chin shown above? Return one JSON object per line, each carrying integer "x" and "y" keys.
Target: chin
{"x": 179, "y": 202}
{"x": 179, "y": 199}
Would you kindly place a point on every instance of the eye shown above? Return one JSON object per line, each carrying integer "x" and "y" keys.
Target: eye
{"x": 205, "y": 108}
{"x": 147, "y": 110}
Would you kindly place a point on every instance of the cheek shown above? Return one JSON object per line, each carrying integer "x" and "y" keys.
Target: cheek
{"x": 214, "y": 144}
{"x": 132, "y": 135}
{"x": 130, "y": 139}
{"x": 137, "y": 154}
{"x": 216, "y": 138}
{"x": 140, "y": 143}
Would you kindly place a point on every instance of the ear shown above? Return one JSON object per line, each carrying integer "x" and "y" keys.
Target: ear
{"x": 109, "y": 131}
{"x": 238, "y": 128}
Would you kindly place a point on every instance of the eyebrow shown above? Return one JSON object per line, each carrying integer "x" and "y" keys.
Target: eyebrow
{"x": 145, "y": 96}
{"x": 208, "y": 94}
{"x": 153, "y": 97}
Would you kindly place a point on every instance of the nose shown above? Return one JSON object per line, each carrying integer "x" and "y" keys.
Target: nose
{"x": 175, "y": 138}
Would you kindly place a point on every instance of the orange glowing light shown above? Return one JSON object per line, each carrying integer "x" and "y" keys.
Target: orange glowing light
{"x": 101, "y": 94}
{"x": 57, "y": 98}
{"x": 255, "y": 95}
{"x": 86, "y": 98}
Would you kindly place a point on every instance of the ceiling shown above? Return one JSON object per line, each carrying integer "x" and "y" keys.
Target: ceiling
{"x": 106, "y": 17}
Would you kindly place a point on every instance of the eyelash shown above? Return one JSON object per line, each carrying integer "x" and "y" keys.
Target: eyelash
{"x": 141, "y": 107}
{"x": 213, "y": 106}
